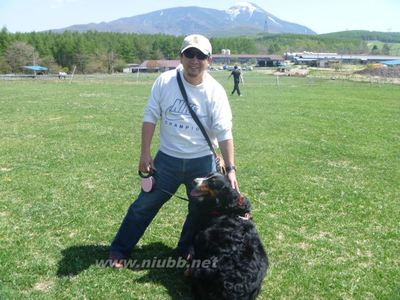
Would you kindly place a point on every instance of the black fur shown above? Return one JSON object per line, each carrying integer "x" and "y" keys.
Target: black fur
{"x": 232, "y": 243}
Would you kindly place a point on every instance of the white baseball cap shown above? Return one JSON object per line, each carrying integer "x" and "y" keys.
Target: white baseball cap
{"x": 197, "y": 41}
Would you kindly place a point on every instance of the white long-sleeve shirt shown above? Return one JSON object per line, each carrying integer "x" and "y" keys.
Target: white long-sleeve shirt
{"x": 179, "y": 134}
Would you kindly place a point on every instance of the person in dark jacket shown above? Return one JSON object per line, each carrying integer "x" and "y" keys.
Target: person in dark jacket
{"x": 237, "y": 78}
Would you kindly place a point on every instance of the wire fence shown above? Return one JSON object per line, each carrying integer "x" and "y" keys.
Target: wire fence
{"x": 143, "y": 78}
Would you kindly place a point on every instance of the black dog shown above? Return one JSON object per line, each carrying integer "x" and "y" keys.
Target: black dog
{"x": 229, "y": 240}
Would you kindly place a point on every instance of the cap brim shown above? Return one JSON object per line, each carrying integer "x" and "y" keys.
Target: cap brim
{"x": 192, "y": 46}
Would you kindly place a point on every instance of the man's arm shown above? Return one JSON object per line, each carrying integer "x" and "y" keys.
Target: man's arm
{"x": 146, "y": 161}
{"x": 228, "y": 154}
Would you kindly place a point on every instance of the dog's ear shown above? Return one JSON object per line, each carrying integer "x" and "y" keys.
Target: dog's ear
{"x": 232, "y": 200}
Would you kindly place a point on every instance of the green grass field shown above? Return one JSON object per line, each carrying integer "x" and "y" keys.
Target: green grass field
{"x": 319, "y": 159}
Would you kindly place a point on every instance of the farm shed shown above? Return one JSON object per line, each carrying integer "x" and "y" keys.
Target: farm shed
{"x": 36, "y": 69}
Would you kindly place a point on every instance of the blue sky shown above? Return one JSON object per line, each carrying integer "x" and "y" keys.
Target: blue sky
{"x": 320, "y": 16}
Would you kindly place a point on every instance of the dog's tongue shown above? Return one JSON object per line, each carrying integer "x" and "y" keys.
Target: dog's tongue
{"x": 195, "y": 193}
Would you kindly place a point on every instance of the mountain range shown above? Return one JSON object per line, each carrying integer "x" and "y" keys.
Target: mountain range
{"x": 245, "y": 18}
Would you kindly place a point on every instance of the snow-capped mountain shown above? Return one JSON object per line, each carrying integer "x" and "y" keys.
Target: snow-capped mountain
{"x": 242, "y": 8}
{"x": 242, "y": 19}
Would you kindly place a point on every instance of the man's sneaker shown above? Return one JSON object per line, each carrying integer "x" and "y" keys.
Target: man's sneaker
{"x": 116, "y": 262}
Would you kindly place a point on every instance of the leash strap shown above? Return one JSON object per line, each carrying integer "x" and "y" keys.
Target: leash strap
{"x": 196, "y": 119}
{"x": 173, "y": 195}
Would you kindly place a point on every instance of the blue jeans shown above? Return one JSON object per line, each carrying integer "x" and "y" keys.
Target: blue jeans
{"x": 171, "y": 173}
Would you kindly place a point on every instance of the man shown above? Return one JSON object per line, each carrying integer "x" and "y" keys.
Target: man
{"x": 184, "y": 153}
{"x": 237, "y": 78}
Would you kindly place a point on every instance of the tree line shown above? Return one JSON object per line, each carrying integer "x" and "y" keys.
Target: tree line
{"x": 94, "y": 51}
{"x": 386, "y": 37}
{"x": 282, "y": 43}
{"x": 103, "y": 52}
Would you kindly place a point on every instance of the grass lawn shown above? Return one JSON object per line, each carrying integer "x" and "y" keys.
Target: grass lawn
{"x": 319, "y": 159}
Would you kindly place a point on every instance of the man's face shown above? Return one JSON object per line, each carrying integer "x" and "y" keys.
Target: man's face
{"x": 194, "y": 63}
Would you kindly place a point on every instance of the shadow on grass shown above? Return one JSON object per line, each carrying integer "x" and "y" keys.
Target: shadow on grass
{"x": 77, "y": 259}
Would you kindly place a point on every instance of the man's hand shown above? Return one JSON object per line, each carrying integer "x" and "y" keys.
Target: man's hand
{"x": 146, "y": 163}
{"x": 233, "y": 180}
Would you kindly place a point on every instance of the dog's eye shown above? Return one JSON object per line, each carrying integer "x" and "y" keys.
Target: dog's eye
{"x": 214, "y": 183}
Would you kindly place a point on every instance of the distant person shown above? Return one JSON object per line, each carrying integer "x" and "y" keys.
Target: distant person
{"x": 237, "y": 78}
{"x": 183, "y": 153}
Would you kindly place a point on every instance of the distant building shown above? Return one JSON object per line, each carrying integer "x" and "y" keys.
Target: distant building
{"x": 37, "y": 70}
{"x": 153, "y": 66}
{"x": 327, "y": 59}
{"x": 261, "y": 60}
{"x": 130, "y": 68}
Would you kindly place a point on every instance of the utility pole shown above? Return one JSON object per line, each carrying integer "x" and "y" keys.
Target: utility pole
{"x": 34, "y": 61}
{"x": 111, "y": 60}
{"x": 266, "y": 26}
